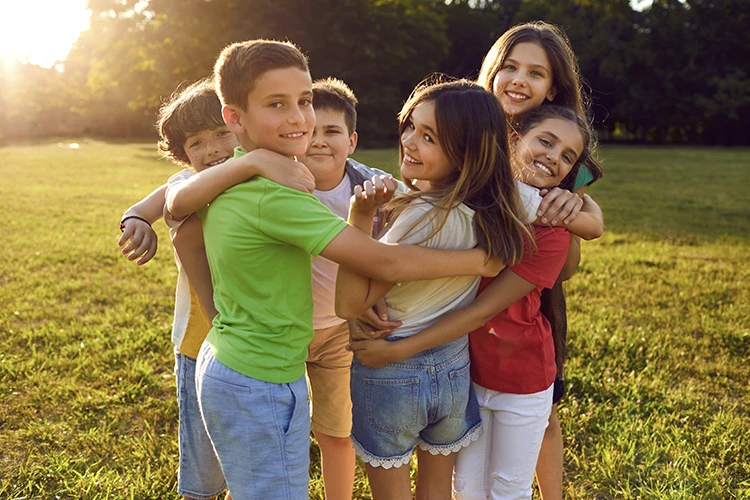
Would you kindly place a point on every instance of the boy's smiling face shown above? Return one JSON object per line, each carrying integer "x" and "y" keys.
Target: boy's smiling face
{"x": 210, "y": 147}
{"x": 331, "y": 145}
{"x": 279, "y": 115}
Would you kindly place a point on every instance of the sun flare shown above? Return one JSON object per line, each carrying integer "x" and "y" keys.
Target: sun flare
{"x": 41, "y": 31}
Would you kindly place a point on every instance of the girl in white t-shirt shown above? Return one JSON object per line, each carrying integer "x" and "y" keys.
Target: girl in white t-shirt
{"x": 454, "y": 140}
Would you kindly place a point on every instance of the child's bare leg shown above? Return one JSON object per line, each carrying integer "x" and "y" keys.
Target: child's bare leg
{"x": 549, "y": 468}
{"x": 389, "y": 484}
{"x": 338, "y": 463}
{"x": 435, "y": 474}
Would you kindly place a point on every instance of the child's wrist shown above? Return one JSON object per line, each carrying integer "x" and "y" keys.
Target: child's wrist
{"x": 128, "y": 217}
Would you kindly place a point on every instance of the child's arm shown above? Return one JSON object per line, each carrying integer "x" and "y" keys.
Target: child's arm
{"x": 136, "y": 227}
{"x": 577, "y": 212}
{"x": 361, "y": 257}
{"x": 188, "y": 242}
{"x": 202, "y": 188}
{"x": 572, "y": 261}
{"x": 504, "y": 291}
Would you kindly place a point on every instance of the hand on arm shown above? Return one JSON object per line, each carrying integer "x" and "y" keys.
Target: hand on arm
{"x": 201, "y": 189}
{"x": 373, "y": 323}
{"x": 504, "y": 290}
{"x": 192, "y": 252}
{"x": 577, "y": 212}
{"x": 138, "y": 239}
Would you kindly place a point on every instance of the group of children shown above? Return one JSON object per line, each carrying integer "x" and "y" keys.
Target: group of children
{"x": 258, "y": 322}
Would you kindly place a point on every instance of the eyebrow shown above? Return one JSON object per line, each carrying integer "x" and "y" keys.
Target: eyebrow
{"x": 278, "y": 96}
{"x": 532, "y": 65}
{"x": 430, "y": 129}
{"x": 567, "y": 148}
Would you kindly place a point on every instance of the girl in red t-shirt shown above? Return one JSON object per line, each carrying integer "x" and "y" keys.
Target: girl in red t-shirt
{"x": 512, "y": 351}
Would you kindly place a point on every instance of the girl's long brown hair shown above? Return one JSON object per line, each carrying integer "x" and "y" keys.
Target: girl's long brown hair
{"x": 473, "y": 135}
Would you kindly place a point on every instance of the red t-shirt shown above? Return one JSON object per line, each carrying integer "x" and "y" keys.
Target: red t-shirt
{"x": 514, "y": 351}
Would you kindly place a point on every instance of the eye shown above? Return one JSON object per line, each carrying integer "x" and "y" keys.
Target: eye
{"x": 195, "y": 144}
{"x": 276, "y": 104}
{"x": 409, "y": 125}
{"x": 537, "y": 73}
{"x": 545, "y": 142}
{"x": 509, "y": 67}
{"x": 427, "y": 138}
{"x": 568, "y": 158}
{"x": 224, "y": 132}
{"x": 305, "y": 102}
{"x": 332, "y": 132}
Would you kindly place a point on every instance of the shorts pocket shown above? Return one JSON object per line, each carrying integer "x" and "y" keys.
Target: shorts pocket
{"x": 392, "y": 404}
{"x": 460, "y": 391}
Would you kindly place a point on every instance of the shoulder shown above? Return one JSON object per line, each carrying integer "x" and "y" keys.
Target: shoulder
{"x": 551, "y": 238}
{"x": 180, "y": 176}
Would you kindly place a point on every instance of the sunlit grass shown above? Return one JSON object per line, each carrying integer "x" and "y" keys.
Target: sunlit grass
{"x": 658, "y": 404}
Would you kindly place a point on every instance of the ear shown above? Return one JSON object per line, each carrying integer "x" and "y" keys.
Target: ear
{"x": 233, "y": 118}
{"x": 352, "y": 142}
{"x": 513, "y": 139}
{"x": 551, "y": 94}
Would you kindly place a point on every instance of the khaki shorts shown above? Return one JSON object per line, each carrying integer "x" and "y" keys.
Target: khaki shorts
{"x": 328, "y": 368}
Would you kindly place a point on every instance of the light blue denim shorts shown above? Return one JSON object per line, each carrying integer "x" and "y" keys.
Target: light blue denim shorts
{"x": 260, "y": 430}
{"x": 427, "y": 399}
{"x": 199, "y": 473}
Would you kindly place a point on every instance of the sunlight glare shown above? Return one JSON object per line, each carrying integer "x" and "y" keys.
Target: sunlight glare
{"x": 41, "y": 31}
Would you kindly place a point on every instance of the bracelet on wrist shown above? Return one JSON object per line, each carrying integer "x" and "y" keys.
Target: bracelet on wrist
{"x": 122, "y": 222}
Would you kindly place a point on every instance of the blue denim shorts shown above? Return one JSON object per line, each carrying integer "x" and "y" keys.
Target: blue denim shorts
{"x": 427, "y": 399}
{"x": 199, "y": 473}
{"x": 260, "y": 430}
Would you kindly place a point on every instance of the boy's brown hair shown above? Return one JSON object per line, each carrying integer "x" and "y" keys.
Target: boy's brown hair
{"x": 188, "y": 111}
{"x": 241, "y": 64}
{"x": 334, "y": 95}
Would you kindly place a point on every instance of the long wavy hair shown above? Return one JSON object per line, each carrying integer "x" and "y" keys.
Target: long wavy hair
{"x": 472, "y": 133}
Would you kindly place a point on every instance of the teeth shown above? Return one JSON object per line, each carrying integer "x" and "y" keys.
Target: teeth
{"x": 217, "y": 162}
{"x": 543, "y": 168}
{"x": 411, "y": 160}
{"x": 516, "y": 95}
{"x": 294, "y": 136}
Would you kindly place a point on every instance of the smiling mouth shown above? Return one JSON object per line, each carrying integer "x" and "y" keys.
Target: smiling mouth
{"x": 542, "y": 168}
{"x": 217, "y": 162}
{"x": 409, "y": 159}
{"x": 515, "y": 96}
{"x": 296, "y": 135}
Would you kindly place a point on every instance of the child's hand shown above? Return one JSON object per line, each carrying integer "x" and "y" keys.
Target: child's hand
{"x": 491, "y": 267}
{"x": 375, "y": 353}
{"x": 143, "y": 240}
{"x": 283, "y": 170}
{"x": 368, "y": 198}
{"x": 373, "y": 324}
{"x": 559, "y": 206}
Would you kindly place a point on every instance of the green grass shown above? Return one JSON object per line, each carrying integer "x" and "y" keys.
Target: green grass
{"x": 658, "y": 404}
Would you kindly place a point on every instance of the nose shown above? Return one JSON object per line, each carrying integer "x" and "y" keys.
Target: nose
{"x": 406, "y": 138}
{"x": 553, "y": 155}
{"x": 519, "y": 79}
{"x": 317, "y": 139}
{"x": 296, "y": 116}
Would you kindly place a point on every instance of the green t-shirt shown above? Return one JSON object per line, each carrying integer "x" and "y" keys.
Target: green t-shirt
{"x": 259, "y": 237}
{"x": 584, "y": 177}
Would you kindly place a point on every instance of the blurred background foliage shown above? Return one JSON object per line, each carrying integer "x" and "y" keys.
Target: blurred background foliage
{"x": 676, "y": 72}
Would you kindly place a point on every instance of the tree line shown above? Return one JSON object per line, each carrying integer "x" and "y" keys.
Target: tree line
{"x": 677, "y": 72}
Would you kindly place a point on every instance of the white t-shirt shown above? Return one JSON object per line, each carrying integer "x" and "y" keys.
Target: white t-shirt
{"x": 419, "y": 304}
{"x": 324, "y": 271}
{"x": 531, "y": 200}
{"x": 190, "y": 325}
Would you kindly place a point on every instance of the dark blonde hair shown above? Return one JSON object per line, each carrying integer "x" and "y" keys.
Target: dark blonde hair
{"x": 566, "y": 77}
{"x": 241, "y": 64}
{"x": 193, "y": 109}
{"x": 472, "y": 133}
{"x": 587, "y": 156}
{"x": 334, "y": 95}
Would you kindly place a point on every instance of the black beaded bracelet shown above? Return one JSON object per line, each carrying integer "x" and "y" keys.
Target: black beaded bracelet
{"x": 122, "y": 222}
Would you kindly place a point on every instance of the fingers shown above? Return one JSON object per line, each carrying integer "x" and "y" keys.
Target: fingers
{"x": 552, "y": 209}
{"x": 573, "y": 212}
{"x": 150, "y": 252}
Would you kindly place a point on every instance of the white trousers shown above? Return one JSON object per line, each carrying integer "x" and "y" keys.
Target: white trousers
{"x": 501, "y": 463}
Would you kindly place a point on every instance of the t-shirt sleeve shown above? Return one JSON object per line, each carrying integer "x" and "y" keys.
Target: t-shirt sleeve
{"x": 297, "y": 218}
{"x": 543, "y": 265}
{"x": 584, "y": 177}
{"x": 531, "y": 199}
{"x": 174, "y": 181}
{"x": 412, "y": 226}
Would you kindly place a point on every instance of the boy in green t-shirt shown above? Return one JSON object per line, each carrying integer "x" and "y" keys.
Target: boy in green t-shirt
{"x": 259, "y": 237}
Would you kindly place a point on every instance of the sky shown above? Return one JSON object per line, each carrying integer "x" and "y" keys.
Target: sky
{"x": 41, "y": 31}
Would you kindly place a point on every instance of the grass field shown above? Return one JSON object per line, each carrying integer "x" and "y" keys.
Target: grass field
{"x": 658, "y": 404}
